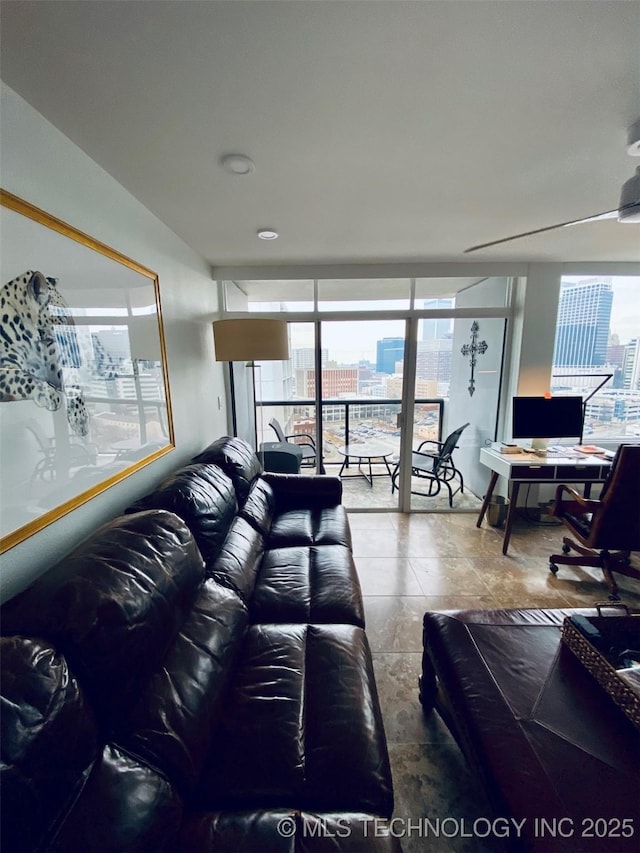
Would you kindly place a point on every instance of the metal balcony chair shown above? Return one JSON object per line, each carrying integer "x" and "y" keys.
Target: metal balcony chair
{"x": 76, "y": 455}
{"x": 612, "y": 521}
{"x": 433, "y": 462}
{"x": 307, "y": 446}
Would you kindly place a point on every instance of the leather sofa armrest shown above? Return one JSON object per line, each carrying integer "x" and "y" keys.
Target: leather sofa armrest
{"x": 299, "y": 492}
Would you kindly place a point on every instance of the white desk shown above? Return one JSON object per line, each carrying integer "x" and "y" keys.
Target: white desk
{"x": 529, "y": 468}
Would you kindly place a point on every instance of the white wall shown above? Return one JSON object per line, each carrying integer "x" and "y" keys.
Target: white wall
{"x": 44, "y": 167}
{"x": 536, "y": 304}
{"x": 480, "y": 408}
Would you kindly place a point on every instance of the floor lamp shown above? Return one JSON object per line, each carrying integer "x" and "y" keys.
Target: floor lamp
{"x": 251, "y": 340}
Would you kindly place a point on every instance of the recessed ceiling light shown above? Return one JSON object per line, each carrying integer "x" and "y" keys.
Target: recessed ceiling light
{"x": 267, "y": 234}
{"x": 237, "y": 164}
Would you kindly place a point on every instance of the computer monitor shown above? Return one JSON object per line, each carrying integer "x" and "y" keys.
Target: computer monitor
{"x": 547, "y": 417}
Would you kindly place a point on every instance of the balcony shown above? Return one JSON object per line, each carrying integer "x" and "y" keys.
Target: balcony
{"x": 361, "y": 422}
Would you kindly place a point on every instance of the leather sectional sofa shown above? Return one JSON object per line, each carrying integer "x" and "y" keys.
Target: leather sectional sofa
{"x": 195, "y": 677}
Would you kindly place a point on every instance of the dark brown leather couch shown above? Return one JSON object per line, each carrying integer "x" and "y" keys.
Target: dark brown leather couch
{"x": 196, "y": 677}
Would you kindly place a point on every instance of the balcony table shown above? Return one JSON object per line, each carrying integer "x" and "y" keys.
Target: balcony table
{"x": 365, "y": 453}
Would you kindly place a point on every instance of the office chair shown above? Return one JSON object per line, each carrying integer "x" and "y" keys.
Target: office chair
{"x": 433, "y": 461}
{"x": 612, "y": 521}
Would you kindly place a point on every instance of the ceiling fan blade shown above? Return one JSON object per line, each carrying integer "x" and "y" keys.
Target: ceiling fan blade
{"x": 605, "y": 215}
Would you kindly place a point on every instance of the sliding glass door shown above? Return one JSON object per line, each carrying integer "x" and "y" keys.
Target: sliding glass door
{"x": 361, "y": 394}
{"x": 344, "y": 386}
{"x": 459, "y": 361}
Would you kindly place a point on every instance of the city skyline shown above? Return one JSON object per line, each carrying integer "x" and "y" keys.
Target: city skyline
{"x": 360, "y": 341}
{"x": 625, "y": 313}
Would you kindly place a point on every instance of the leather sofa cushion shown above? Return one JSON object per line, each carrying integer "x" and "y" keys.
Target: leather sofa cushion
{"x": 292, "y": 490}
{"x": 115, "y": 605}
{"x": 237, "y": 459}
{"x": 259, "y": 830}
{"x": 49, "y": 740}
{"x": 259, "y": 507}
{"x": 62, "y": 788}
{"x": 311, "y": 526}
{"x": 171, "y": 723}
{"x": 294, "y": 732}
{"x": 203, "y": 496}
{"x": 238, "y": 562}
{"x": 309, "y": 583}
{"x": 124, "y": 805}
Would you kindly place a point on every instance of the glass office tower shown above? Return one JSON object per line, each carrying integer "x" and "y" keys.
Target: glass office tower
{"x": 389, "y": 351}
{"x": 584, "y": 315}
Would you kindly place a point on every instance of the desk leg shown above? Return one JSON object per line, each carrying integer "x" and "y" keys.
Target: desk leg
{"x": 487, "y": 497}
{"x": 515, "y": 488}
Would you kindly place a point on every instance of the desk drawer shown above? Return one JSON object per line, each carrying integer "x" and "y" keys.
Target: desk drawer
{"x": 531, "y": 472}
{"x": 581, "y": 473}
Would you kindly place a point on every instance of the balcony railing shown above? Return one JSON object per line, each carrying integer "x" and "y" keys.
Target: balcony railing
{"x": 354, "y": 420}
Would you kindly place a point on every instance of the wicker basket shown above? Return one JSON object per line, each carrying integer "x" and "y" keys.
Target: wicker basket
{"x": 625, "y": 697}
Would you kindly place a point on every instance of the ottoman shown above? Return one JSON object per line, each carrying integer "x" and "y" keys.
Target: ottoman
{"x": 549, "y": 746}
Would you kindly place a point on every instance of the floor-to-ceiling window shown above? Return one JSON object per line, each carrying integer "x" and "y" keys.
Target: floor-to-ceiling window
{"x": 597, "y": 353}
{"x": 356, "y": 345}
{"x": 361, "y": 394}
{"x": 284, "y": 391}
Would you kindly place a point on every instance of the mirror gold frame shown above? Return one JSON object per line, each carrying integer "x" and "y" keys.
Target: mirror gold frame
{"x": 84, "y": 390}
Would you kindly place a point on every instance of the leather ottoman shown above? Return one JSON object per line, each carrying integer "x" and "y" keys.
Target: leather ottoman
{"x": 550, "y": 747}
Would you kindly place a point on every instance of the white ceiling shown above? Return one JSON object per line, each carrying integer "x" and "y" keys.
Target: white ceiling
{"x": 380, "y": 131}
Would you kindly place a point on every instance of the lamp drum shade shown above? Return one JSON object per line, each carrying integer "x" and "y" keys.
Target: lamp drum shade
{"x": 251, "y": 340}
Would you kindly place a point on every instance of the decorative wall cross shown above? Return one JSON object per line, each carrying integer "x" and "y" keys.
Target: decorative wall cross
{"x": 474, "y": 348}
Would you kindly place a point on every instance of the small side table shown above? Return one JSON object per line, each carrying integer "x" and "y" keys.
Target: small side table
{"x": 280, "y": 457}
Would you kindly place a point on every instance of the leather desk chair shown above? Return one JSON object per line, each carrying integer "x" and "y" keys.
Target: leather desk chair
{"x": 600, "y": 526}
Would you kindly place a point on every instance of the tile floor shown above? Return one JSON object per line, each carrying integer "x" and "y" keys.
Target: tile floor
{"x": 358, "y": 494}
{"x": 411, "y": 563}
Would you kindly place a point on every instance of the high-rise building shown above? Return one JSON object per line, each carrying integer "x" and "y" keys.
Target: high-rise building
{"x": 434, "y": 360}
{"x": 336, "y": 382}
{"x": 388, "y": 352}
{"x": 423, "y": 387}
{"x": 584, "y": 314}
{"x": 631, "y": 365}
{"x": 304, "y": 358}
{"x": 434, "y": 329}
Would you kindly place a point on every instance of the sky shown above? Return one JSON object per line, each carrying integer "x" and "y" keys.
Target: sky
{"x": 350, "y": 342}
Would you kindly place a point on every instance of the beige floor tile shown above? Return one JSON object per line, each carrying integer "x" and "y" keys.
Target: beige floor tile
{"x": 458, "y": 601}
{"x": 371, "y": 520}
{"x": 387, "y": 576}
{"x": 394, "y": 623}
{"x": 410, "y": 563}
{"x": 397, "y": 677}
{"x": 443, "y": 575}
{"x": 433, "y": 782}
